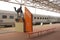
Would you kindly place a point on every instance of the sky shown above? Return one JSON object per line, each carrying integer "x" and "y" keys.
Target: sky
{"x": 10, "y": 7}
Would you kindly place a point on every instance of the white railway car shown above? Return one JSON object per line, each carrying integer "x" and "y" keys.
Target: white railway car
{"x": 7, "y": 18}
{"x": 44, "y": 19}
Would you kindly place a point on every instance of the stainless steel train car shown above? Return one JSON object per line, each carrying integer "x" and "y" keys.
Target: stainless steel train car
{"x": 7, "y": 18}
{"x": 45, "y": 19}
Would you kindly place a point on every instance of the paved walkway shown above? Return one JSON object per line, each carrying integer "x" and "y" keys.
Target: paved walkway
{"x": 7, "y": 30}
{"x": 22, "y": 36}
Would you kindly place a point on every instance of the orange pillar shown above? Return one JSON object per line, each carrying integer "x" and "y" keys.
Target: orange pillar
{"x": 28, "y": 21}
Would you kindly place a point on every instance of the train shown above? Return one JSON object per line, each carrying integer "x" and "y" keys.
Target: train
{"x": 45, "y": 19}
{"x": 7, "y": 18}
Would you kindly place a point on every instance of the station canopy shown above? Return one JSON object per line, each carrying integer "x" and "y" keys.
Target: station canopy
{"x": 51, "y": 5}
{"x": 40, "y": 5}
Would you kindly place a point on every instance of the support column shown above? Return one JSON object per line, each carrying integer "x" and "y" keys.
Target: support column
{"x": 50, "y": 22}
{"x": 41, "y": 23}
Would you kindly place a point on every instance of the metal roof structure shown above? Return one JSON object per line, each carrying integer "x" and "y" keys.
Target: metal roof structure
{"x": 51, "y": 5}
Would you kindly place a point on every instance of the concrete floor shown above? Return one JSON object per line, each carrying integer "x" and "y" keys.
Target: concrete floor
{"x": 22, "y": 36}
{"x": 5, "y": 30}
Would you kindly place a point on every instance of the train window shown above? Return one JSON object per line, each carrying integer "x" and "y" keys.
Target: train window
{"x": 43, "y": 17}
{"x": 47, "y": 18}
{"x": 37, "y": 17}
{"x": 40, "y": 18}
{"x": 34, "y": 17}
{"x": 11, "y": 17}
{"x": 4, "y": 16}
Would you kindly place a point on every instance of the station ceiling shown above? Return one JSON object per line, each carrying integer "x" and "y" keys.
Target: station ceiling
{"x": 52, "y": 5}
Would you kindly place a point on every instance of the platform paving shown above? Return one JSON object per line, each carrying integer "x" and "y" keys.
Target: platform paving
{"x": 22, "y": 36}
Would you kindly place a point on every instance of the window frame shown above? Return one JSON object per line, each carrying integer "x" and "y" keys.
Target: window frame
{"x": 11, "y": 17}
{"x": 4, "y": 16}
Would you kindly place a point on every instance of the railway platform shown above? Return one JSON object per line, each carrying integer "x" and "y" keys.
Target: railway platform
{"x": 22, "y": 36}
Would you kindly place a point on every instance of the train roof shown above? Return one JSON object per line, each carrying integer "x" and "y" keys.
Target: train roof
{"x": 44, "y": 15}
{"x": 39, "y": 15}
{"x": 4, "y": 11}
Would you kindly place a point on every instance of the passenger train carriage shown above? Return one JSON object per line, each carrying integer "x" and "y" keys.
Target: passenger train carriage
{"x": 7, "y": 18}
{"x": 45, "y": 19}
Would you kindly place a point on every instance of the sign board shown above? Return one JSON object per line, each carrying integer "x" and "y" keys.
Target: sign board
{"x": 28, "y": 21}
